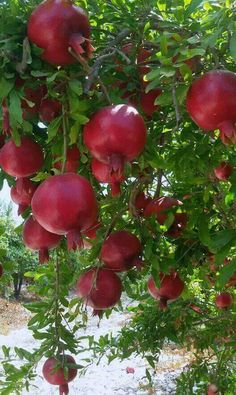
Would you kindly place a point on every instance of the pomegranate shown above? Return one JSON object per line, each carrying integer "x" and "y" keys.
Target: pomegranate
{"x": 115, "y": 134}
{"x": 141, "y": 202}
{"x": 53, "y": 372}
{"x": 72, "y": 160}
{"x": 56, "y": 25}
{"x": 101, "y": 173}
{"x": 224, "y": 300}
{"x": 49, "y": 109}
{"x": 1, "y": 270}
{"x": 223, "y": 171}
{"x": 2, "y": 140}
{"x": 142, "y": 62}
{"x": 65, "y": 204}
{"x": 120, "y": 251}
{"x": 36, "y": 238}
{"x": 100, "y": 288}
{"x": 91, "y": 234}
{"x": 170, "y": 289}
{"x": 22, "y": 193}
{"x": 35, "y": 96}
{"x": 22, "y": 161}
{"x": 159, "y": 207}
{"x": 212, "y": 390}
{"x": 220, "y": 111}
{"x": 147, "y": 101}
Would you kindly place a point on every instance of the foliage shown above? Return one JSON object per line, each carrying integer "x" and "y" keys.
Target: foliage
{"x": 178, "y": 161}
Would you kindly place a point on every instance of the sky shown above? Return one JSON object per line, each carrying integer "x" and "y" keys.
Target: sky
{"x": 6, "y": 199}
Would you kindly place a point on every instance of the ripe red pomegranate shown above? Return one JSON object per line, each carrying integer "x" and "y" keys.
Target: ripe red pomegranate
{"x": 159, "y": 207}
{"x": 22, "y": 193}
{"x": 115, "y": 134}
{"x": 224, "y": 300}
{"x": 223, "y": 171}
{"x": 56, "y": 25}
{"x": 120, "y": 251}
{"x": 49, "y": 109}
{"x": 141, "y": 202}
{"x": 53, "y": 372}
{"x": 212, "y": 390}
{"x": 220, "y": 111}
{"x": 102, "y": 174}
{"x": 147, "y": 101}
{"x": 72, "y": 160}
{"x": 1, "y": 270}
{"x": 36, "y": 238}
{"x": 34, "y": 96}
{"x": 22, "y": 161}
{"x": 2, "y": 140}
{"x": 171, "y": 288}
{"x": 65, "y": 204}
{"x": 100, "y": 288}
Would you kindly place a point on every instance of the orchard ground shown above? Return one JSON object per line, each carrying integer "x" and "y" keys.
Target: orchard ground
{"x": 102, "y": 379}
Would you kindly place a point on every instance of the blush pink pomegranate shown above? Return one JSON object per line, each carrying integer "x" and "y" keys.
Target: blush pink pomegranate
{"x": 171, "y": 287}
{"x": 72, "y": 160}
{"x": 159, "y": 207}
{"x": 121, "y": 250}
{"x": 22, "y": 193}
{"x": 39, "y": 239}
{"x": 22, "y": 161}
{"x": 101, "y": 172}
{"x": 49, "y": 109}
{"x": 220, "y": 111}
{"x": 114, "y": 135}
{"x": 65, "y": 204}
{"x": 224, "y": 300}
{"x": 99, "y": 288}
{"x": 57, "y": 25}
{"x": 53, "y": 372}
{"x": 223, "y": 171}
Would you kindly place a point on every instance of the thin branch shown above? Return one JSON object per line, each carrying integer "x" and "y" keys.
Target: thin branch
{"x": 64, "y": 126}
{"x": 57, "y": 293}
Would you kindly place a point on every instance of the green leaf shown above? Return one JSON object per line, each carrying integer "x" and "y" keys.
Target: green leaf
{"x": 232, "y": 46}
{"x": 193, "y": 6}
{"x": 221, "y": 239}
{"x": 53, "y": 128}
{"x": 165, "y": 99}
{"x": 203, "y": 230}
{"x": 15, "y": 109}
{"x": 5, "y": 87}
{"x": 226, "y": 272}
{"x": 76, "y": 87}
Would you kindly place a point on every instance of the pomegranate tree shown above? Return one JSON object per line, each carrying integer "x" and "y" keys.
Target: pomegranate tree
{"x": 54, "y": 372}
{"x": 22, "y": 193}
{"x": 171, "y": 287}
{"x": 220, "y": 111}
{"x": 101, "y": 172}
{"x": 65, "y": 204}
{"x": 57, "y": 25}
{"x": 223, "y": 171}
{"x": 99, "y": 288}
{"x": 121, "y": 250}
{"x": 114, "y": 135}
{"x": 37, "y": 238}
{"x": 224, "y": 300}
{"x": 23, "y": 160}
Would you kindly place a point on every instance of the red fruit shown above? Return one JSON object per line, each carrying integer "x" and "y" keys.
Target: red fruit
{"x": 91, "y": 233}
{"x": 102, "y": 174}
{"x": 220, "y": 111}
{"x": 72, "y": 160}
{"x": 170, "y": 289}
{"x": 35, "y": 96}
{"x": 141, "y": 202}
{"x": 56, "y": 25}
{"x": 147, "y": 101}
{"x": 65, "y": 204}
{"x": 115, "y": 134}
{"x": 142, "y": 63}
{"x": 100, "y": 288}
{"x": 224, "y": 300}
{"x": 49, "y": 109}
{"x": 178, "y": 225}
{"x": 223, "y": 171}
{"x": 212, "y": 390}
{"x": 22, "y": 193}
{"x": 2, "y": 141}
{"x": 120, "y": 251}
{"x": 129, "y": 370}
{"x": 1, "y": 270}
{"x": 53, "y": 372}
{"x": 22, "y": 161}
{"x": 36, "y": 238}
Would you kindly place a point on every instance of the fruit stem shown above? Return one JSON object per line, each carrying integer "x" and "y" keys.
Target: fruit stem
{"x": 64, "y": 139}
